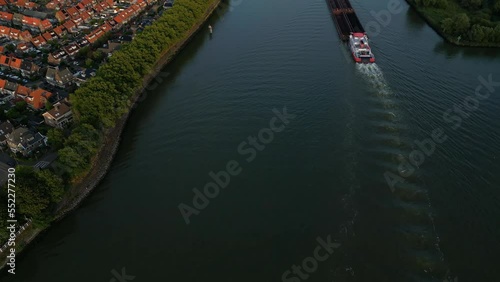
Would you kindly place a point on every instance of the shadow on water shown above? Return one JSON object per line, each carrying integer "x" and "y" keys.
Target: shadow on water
{"x": 414, "y": 21}
{"x": 450, "y": 50}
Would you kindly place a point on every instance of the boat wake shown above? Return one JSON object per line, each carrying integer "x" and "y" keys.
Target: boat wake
{"x": 375, "y": 77}
{"x": 389, "y": 144}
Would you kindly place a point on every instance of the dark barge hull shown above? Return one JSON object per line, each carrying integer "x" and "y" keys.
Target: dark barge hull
{"x": 345, "y": 18}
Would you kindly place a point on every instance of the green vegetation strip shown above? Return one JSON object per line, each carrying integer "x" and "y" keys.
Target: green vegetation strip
{"x": 463, "y": 22}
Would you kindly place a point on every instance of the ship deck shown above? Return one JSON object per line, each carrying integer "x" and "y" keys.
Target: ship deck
{"x": 345, "y": 18}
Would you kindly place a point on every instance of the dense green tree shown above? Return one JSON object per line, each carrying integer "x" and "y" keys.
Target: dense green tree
{"x": 37, "y": 191}
{"x": 56, "y": 138}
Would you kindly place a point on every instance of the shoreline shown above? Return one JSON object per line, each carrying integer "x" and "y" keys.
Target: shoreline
{"x": 447, "y": 37}
{"x": 101, "y": 163}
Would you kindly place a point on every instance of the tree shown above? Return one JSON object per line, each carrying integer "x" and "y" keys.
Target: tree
{"x": 48, "y": 105}
{"x": 21, "y": 106}
{"x": 461, "y": 24}
{"x": 56, "y": 138}
{"x": 473, "y": 4}
{"x": 477, "y": 33}
{"x": 10, "y": 47}
{"x": 496, "y": 7}
{"x": 37, "y": 191}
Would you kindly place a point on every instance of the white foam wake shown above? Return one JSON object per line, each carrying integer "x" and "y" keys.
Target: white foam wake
{"x": 375, "y": 77}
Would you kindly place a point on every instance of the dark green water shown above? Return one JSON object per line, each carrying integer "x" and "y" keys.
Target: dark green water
{"x": 323, "y": 175}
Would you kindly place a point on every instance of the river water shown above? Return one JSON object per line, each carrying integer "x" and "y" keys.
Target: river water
{"x": 322, "y": 176}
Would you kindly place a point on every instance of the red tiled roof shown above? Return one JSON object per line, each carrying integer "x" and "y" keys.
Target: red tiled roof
{"x": 85, "y": 16}
{"x": 22, "y": 47}
{"x": 31, "y": 21}
{"x": 23, "y": 90}
{"x": 38, "y": 41}
{"x": 1, "y": 49}
{"x": 38, "y": 97}
{"x": 60, "y": 16}
{"x": 4, "y": 60}
{"x": 15, "y": 63}
{"x": 59, "y": 30}
{"x": 51, "y": 5}
{"x": 105, "y": 27}
{"x": 73, "y": 12}
{"x": 2, "y": 83}
{"x": 30, "y": 5}
{"x": 4, "y": 31}
{"x": 6, "y": 16}
{"x": 47, "y": 36}
{"x": 69, "y": 25}
{"x": 14, "y": 33}
{"x": 46, "y": 24}
{"x": 26, "y": 35}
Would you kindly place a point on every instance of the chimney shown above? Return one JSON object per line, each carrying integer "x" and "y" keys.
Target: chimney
{"x": 56, "y": 106}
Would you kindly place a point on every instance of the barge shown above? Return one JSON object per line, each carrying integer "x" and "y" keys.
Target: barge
{"x": 350, "y": 29}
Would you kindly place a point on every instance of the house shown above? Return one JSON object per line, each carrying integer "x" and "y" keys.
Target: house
{"x": 71, "y": 49}
{"x": 70, "y": 26}
{"x": 22, "y": 47}
{"x": 22, "y": 92}
{"x": 45, "y": 25}
{"x": 37, "y": 98}
{"x": 2, "y": 84}
{"x": 17, "y": 19}
{"x": 110, "y": 47}
{"x": 32, "y": 23}
{"x": 14, "y": 34}
{"x": 10, "y": 88}
{"x": 24, "y": 141}
{"x": 59, "y": 116}
{"x": 4, "y": 31}
{"x": 38, "y": 41}
{"x": 6, "y": 17}
{"x": 5, "y": 128}
{"x": 4, "y": 97}
{"x": 60, "y": 78}
{"x": 25, "y": 36}
{"x": 60, "y": 31}
{"x": 4, "y": 62}
{"x": 56, "y": 57}
{"x": 72, "y": 12}
{"x": 47, "y": 36}
{"x": 15, "y": 63}
{"x": 61, "y": 16}
{"x": 28, "y": 68}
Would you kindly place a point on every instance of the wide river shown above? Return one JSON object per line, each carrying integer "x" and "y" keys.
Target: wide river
{"x": 322, "y": 177}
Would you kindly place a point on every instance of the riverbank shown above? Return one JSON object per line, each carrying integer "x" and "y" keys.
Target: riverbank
{"x": 101, "y": 162}
{"x": 435, "y": 23}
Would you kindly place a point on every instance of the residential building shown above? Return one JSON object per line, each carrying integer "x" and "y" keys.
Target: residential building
{"x": 71, "y": 49}
{"x": 22, "y": 92}
{"x": 37, "y": 98}
{"x": 59, "y": 116}
{"x": 5, "y": 128}
{"x": 60, "y": 78}
{"x": 24, "y": 141}
{"x": 28, "y": 68}
{"x": 38, "y": 41}
{"x": 10, "y": 88}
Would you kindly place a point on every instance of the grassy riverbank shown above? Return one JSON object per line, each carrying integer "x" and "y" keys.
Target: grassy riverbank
{"x": 101, "y": 108}
{"x": 462, "y": 23}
